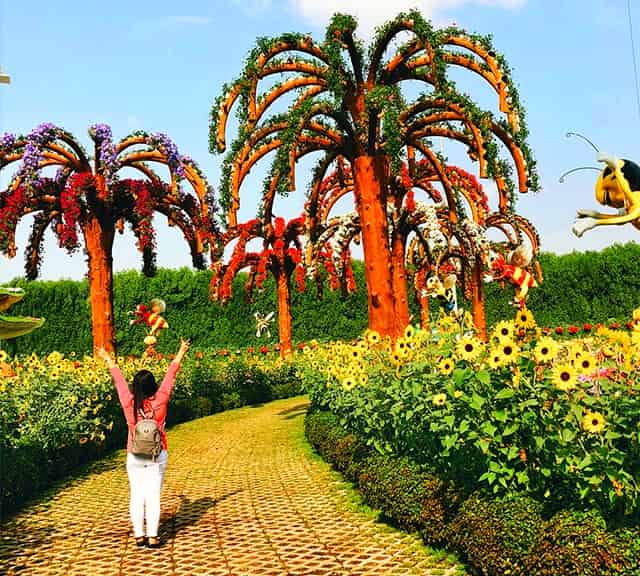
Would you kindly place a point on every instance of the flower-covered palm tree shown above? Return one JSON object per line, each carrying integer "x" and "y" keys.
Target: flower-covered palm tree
{"x": 343, "y": 103}
{"x": 87, "y": 196}
{"x": 281, "y": 255}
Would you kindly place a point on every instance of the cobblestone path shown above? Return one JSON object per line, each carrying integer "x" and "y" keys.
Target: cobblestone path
{"x": 243, "y": 495}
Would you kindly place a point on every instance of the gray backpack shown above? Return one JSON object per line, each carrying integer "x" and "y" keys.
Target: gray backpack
{"x": 147, "y": 441}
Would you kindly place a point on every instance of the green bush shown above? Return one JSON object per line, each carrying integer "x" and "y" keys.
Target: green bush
{"x": 575, "y": 543}
{"x": 496, "y": 535}
{"x": 578, "y": 288}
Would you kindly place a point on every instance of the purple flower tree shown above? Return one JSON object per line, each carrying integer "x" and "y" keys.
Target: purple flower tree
{"x": 87, "y": 196}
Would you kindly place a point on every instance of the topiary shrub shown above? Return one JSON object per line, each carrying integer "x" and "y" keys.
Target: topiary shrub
{"x": 497, "y": 535}
{"x": 577, "y": 543}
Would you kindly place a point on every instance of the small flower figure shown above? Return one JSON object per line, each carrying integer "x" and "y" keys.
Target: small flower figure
{"x": 593, "y": 423}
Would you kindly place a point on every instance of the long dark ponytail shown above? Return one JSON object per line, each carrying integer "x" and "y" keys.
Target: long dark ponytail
{"x": 144, "y": 385}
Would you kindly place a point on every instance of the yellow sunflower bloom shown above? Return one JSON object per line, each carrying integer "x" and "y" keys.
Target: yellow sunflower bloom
{"x": 564, "y": 377}
{"x": 397, "y": 358}
{"x": 409, "y": 332}
{"x": 509, "y": 351}
{"x": 349, "y": 383}
{"x": 495, "y": 360}
{"x": 469, "y": 348}
{"x": 608, "y": 351}
{"x": 546, "y": 350}
{"x": 585, "y": 364}
{"x": 373, "y": 337}
{"x": 504, "y": 330}
{"x": 439, "y": 399}
{"x": 524, "y": 319}
{"x": 446, "y": 366}
{"x": 458, "y": 394}
{"x": 355, "y": 353}
{"x": 363, "y": 379}
{"x": 576, "y": 351}
{"x": 3, "y": 356}
{"x": 593, "y": 422}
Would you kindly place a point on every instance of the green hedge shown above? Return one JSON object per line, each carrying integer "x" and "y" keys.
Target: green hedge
{"x": 579, "y": 287}
{"x": 496, "y": 536}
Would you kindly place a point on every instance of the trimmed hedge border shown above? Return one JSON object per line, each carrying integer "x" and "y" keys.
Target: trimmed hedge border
{"x": 495, "y": 537}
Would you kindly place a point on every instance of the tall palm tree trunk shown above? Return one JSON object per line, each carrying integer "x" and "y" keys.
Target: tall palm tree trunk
{"x": 99, "y": 245}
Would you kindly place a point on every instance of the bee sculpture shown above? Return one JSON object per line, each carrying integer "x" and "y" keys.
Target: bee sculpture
{"x": 263, "y": 322}
{"x": 513, "y": 268}
{"x": 445, "y": 292}
{"x": 151, "y": 316}
{"x": 618, "y": 186}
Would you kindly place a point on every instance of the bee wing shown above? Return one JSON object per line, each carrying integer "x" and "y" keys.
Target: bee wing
{"x": 269, "y": 316}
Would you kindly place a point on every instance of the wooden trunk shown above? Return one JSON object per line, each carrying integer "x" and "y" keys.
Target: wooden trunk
{"x": 99, "y": 245}
{"x": 284, "y": 314}
{"x": 370, "y": 183}
{"x": 399, "y": 283}
{"x": 477, "y": 298}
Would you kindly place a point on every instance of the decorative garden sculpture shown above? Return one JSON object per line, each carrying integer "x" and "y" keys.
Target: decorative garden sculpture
{"x": 14, "y": 326}
{"x": 513, "y": 268}
{"x": 618, "y": 186}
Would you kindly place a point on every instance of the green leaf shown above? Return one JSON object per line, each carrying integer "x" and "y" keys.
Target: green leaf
{"x": 504, "y": 394}
{"x": 484, "y": 377}
{"x": 499, "y": 415}
{"x": 477, "y": 402}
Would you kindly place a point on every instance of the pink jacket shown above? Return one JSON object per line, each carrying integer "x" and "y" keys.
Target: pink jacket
{"x": 156, "y": 403}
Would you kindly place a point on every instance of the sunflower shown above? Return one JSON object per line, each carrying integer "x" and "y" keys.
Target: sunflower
{"x": 446, "y": 366}
{"x": 516, "y": 376}
{"x": 355, "y": 353}
{"x": 564, "y": 377}
{"x": 585, "y": 364}
{"x": 349, "y": 383}
{"x": 458, "y": 394}
{"x": 546, "y": 350}
{"x": 593, "y": 422}
{"x": 509, "y": 351}
{"x": 504, "y": 330}
{"x": 397, "y": 358}
{"x": 608, "y": 351}
{"x": 409, "y": 332}
{"x": 469, "y": 348}
{"x": 576, "y": 351}
{"x": 3, "y": 356}
{"x": 363, "y": 379}
{"x": 439, "y": 399}
{"x": 373, "y": 337}
{"x": 524, "y": 319}
{"x": 495, "y": 359}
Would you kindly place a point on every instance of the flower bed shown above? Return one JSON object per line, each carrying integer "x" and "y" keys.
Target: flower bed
{"x": 58, "y": 412}
{"x": 524, "y": 413}
{"x": 494, "y": 535}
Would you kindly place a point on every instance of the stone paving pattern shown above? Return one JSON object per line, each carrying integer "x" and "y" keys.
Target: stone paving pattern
{"x": 243, "y": 495}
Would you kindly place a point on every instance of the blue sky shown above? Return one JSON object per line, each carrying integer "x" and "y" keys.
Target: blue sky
{"x": 159, "y": 65}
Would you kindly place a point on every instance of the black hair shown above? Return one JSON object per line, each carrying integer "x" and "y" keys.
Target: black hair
{"x": 144, "y": 385}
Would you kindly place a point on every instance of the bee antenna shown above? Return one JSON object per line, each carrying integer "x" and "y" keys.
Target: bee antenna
{"x": 569, "y": 134}
{"x": 562, "y": 178}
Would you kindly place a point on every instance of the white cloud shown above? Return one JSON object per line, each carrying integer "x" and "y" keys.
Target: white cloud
{"x": 372, "y": 13}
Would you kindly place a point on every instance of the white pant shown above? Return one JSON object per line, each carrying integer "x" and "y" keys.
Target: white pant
{"x": 145, "y": 481}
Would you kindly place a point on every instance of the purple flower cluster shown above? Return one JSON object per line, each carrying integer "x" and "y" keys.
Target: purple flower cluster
{"x": 39, "y": 137}
{"x": 7, "y": 140}
{"x": 170, "y": 150}
{"x": 107, "y": 157}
